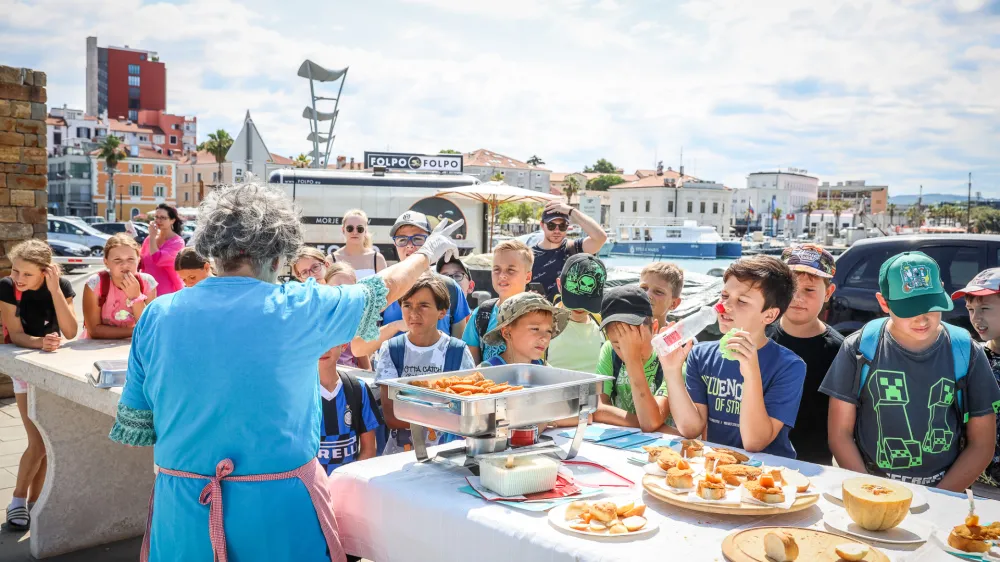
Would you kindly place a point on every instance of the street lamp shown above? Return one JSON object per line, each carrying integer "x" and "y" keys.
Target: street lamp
{"x": 316, "y": 73}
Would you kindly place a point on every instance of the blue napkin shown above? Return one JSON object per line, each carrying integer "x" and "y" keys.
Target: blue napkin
{"x": 628, "y": 441}
{"x": 598, "y": 433}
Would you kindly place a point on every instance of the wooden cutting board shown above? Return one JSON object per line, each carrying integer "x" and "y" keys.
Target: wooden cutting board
{"x": 814, "y": 545}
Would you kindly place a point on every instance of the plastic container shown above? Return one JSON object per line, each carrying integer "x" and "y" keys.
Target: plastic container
{"x": 530, "y": 474}
{"x": 686, "y": 329}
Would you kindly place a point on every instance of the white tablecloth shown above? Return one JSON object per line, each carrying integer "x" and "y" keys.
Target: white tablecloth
{"x": 393, "y": 509}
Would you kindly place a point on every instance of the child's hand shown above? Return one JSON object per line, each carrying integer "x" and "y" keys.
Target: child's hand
{"x": 52, "y": 278}
{"x": 743, "y": 349}
{"x": 630, "y": 341}
{"x": 131, "y": 286}
{"x": 51, "y": 342}
{"x": 676, "y": 358}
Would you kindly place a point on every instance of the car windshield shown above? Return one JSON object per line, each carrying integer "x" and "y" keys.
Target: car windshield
{"x": 86, "y": 228}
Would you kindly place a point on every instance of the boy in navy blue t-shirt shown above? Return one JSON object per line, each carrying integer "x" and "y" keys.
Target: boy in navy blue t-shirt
{"x": 350, "y": 415}
{"x": 750, "y": 401}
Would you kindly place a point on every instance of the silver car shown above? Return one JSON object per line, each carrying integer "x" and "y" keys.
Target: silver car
{"x": 73, "y": 231}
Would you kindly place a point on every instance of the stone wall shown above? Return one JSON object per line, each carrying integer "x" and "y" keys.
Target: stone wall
{"x": 23, "y": 164}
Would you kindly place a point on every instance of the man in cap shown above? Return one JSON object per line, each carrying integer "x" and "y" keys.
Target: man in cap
{"x": 581, "y": 287}
{"x": 551, "y": 252}
{"x": 905, "y": 390}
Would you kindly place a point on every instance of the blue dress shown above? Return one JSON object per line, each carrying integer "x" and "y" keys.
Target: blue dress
{"x": 229, "y": 369}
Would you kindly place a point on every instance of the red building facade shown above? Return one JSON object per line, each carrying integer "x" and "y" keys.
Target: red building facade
{"x": 124, "y": 81}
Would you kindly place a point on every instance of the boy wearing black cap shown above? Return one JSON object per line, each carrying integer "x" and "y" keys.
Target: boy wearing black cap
{"x": 457, "y": 271}
{"x": 636, "y": 396}
{"x": 581, "y": 286}
{"x": 551, "y": 252}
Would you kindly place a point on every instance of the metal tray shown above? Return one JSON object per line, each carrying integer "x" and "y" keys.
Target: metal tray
{"x": 108, "y": 373}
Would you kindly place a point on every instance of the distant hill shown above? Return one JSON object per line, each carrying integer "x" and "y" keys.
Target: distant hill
{"x": 929, "y": 199}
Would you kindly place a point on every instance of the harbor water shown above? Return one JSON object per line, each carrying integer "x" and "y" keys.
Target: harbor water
{"x": 693, "y": 265}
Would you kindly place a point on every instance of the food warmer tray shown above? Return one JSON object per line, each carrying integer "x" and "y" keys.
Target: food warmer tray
{"x": 549, "y": 394}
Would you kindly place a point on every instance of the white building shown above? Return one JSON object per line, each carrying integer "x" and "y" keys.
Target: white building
{"x": 71, "y": 128}
{"x": 484, "y": 164}
{"x": 790, "y": 191}
{"x": 668, "y": 195}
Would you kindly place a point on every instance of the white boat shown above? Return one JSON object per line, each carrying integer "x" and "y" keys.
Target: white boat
{"x": 672, "y": 238}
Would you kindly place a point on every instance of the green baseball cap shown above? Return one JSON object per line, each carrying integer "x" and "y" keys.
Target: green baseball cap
{"x": 911, "y": 284}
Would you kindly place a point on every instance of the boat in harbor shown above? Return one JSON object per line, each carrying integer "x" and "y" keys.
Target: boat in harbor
{"x": 672, "y": 238}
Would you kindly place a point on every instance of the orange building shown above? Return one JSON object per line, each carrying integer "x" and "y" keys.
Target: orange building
{"x": 143, "y": 180}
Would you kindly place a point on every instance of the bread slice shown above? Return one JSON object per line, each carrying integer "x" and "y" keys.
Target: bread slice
{"x": 740, "y": 457}
{"x": 668, "y": 459}
{"x": 766, "y": 494}
{"x": 717, "y": 459}
{"x": 965, "y": 539}
{"x": 654, "y": 451}
{"x": 682, "y": 478}
{"x": 576, "y": 509}
{"x": 780, "y": 546}
{"x": 691, "y": 448}
{"x": 736, "y": 474}
{"x": 605, "y": 512}
{"x": 622, "y": 508}
{"x": 711, "y": 490}
{"x": 634, "y": 523}
{"x": 795, "y": 478}
{"x": 637, "y": 511}
{"x": 851, "y": 551}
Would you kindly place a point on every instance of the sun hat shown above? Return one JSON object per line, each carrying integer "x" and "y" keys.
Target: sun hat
{"x": 911, "y": 285}
{"x": 985, "y": 283}
{"x": 519, "y": 305}
{"x": 627, "y": 303}
{"x": 811, "y": 259}
{"x": 582, "y": 281}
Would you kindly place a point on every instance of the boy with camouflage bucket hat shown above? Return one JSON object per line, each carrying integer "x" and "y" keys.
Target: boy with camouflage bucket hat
{"x": 581, "y": 286}
{"x": 526, "y": 323}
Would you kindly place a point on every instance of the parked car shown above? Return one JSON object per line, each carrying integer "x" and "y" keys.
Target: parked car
{"x": 94, "y": 220}
{"x": 960, "y": 257}
{"x": 72, "y": 231}
{"x": 113, "y": 228}
{"x": 69, "y": 249}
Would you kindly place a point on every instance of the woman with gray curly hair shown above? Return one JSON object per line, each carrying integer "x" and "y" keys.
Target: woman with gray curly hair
{"x": 223, "y": 382}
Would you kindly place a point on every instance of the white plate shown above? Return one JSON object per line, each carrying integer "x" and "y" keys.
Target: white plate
{"x": 836, "y": 491}
{"x": 912, "y": 530}
{"x": 940, "y": 538}
{"x": 557, "y": 518}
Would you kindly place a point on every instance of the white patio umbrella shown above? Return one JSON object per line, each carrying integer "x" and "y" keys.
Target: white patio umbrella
{"x": 493, "y": 193}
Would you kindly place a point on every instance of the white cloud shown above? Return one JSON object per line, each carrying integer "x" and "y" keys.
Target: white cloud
{"x": 898, "y": 93}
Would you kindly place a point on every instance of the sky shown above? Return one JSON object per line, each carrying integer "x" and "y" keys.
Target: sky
{"x": 901, "y": 93}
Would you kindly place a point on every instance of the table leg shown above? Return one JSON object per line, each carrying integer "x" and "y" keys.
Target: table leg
{"x": 96, "y": 491}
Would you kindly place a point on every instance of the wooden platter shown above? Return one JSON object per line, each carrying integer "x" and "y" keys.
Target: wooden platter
{"x": 650, "y": 482}
{"x": 814, "y": 545}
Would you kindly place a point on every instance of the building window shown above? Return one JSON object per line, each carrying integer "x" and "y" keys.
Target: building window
{"x": 173, "y": 139}
{"x": 160, "y": 170}
{"x": 135, "y": 168}
{"x": 159, "y": 191}
{"x": 133, "y": 81}
{"x": 133, "y": 69}
{"x": 647, "y": 205}
{"x": 623, "y": 206}
{"x": 82, "y": 133}
{"x": 635, "y": 205}
{"x": 185, "y": 178}
{"x": 690, "y": 207}
{"x": 670, "y": 206}
{"x": 133, "y": 115}
{"x": 715, "y": 208}
{"x": 215, "y": 176}
{"x": 199, "y": 176}
{"x": 143, "y": 138}
{"x": 723, "y": 208}
{"x": 135, "y": 190}
{"x": 186, "y": 194}
{"x": 703, "y": 207}
{"x": 56, "y": 138}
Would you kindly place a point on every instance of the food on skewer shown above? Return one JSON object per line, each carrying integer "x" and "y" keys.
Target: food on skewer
{"x": 711, "y": 487}
{"x": 765, "y": 490}
{"x": 851, "y": 551}
{"x": 691, "y": 448}
{"x": 736, "y": 474}
{"x": 780, "y": 546}
{"x": 681, "y": 476}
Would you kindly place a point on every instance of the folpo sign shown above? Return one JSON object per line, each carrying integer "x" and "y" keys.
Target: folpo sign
{"x": 414, "y": 162}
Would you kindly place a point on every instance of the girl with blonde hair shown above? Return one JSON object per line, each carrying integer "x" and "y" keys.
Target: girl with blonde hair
{"x": 36, "y": 304}
{"x": 358, "y": 250}
{"x": 114, "y": 299}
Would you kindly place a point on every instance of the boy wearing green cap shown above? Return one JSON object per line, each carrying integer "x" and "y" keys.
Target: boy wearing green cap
{"x": 581, "y": 286}
{"x": 906, "y": 390}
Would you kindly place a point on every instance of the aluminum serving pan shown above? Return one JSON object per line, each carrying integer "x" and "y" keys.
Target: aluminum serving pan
{"x": 549, "y": 394}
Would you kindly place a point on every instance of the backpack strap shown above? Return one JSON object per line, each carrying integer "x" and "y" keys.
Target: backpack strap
{"x": 352, "y": 389}
{"x": 868, "y": 343}
{"x": 496, "y": 361}
{"x": 961, "y": 354}
{"x": 453, "y": 294}
{"x": 397, "y": 352}
{"x": 483, "y": 317}
{"x": 453, "y": 356}
{"x": 103, "y": 287}
{"x": 616, "y": 366}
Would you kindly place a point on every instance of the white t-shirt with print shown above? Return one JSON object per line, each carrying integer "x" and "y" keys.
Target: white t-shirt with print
{"x": 418, "y": 360}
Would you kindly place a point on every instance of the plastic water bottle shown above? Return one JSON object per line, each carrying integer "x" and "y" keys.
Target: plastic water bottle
{"x": 686, "y": 329}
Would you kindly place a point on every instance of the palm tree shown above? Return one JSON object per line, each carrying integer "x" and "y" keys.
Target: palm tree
{"x": 535, "y": 161}
{"x": 217, "y": 145}
{"x": 497, "y": 177}
{"x": 112, "y": 153}
{"x": 775, "y": 217}
{"x": 915, "y": 215}
{"x": 837, "y": 207}
{"x": 571, "y": 189}
{"x": 302, "y": 161}
{"x": 809, "y": 208}
{"x": 892, "y": 212}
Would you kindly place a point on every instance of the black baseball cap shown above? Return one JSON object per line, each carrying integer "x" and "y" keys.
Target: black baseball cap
{"x": 549, "y": 216}
{"x": 627, "y": 303}
{"x": 442, "y": 262}
{"x": 582, "y": 283}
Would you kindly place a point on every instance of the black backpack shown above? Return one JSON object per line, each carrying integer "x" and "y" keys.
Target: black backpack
{"x": 353, "y": 397}
{"x": 617, "y": 364}
{"x": 483, "y": 317}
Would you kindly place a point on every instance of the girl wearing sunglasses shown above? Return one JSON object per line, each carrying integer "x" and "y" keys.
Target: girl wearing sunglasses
{"x": 357, "y": 250}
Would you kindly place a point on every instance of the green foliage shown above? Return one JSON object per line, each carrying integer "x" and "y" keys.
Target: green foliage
{"x": 217, "y": 145}
{"x": 524, "y": 212}
{"x": 449, "y": 151}
{"x": 602, "y": 183}
{"x": 496, "y": 177}
{"x": 601, "y": 167}
{"x": 572, "y": 188}
{"x": 535, "y": 160}
{"x": 985, "y": 220}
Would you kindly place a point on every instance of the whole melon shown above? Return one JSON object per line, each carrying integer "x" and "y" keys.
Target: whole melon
{"x": 876, "y": 504}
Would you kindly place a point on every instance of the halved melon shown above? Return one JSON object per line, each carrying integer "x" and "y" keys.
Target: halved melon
{"x": 876, "y": 504}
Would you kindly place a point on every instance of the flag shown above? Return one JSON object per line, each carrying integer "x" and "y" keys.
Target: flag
{"x": 774, "y": 203}
{"x": 751, "y": 211}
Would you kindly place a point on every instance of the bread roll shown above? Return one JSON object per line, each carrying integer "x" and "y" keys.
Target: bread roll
{"x": 780, "y": 546}
{"x": 576, "y": 509}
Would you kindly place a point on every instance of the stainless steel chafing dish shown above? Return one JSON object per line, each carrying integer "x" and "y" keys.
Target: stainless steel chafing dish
{"x": 549, "y": 394}
{"x": 108, "y": 373}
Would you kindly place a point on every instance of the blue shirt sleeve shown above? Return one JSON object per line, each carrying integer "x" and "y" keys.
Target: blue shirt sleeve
{"x": 784, "y": 392}
{"x": 371, "y": 417}
{"x": 335, "y": 312}
{"x": 134, "y": 419}
{"x": 460, "y": 308}
{"x": 692, "y": 380}
{"x": 392, "y": 313}
{"x": 470, "y": 336}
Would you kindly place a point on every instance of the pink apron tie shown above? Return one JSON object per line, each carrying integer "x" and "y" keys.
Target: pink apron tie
{"x": 312, "y": 474}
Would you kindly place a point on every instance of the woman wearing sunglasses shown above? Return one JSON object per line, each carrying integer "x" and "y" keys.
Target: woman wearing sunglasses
{"x": 358, "y": 251}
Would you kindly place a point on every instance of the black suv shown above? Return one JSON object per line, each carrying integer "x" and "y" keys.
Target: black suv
{"x": 960, "y": 257}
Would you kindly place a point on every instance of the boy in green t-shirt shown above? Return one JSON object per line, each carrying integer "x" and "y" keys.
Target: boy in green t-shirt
{"x": 636, "y": 397}
{"x": 581, "y": 286}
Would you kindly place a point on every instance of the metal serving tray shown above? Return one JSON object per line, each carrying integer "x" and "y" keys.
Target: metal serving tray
{"x": 108, "y": 373}
{"x": 549, "y": 394}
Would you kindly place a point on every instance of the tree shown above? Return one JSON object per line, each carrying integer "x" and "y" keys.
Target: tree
{"x": 775, "y": 216}
{"x": 915, "y": 216}
{"x": 603, "y": 182}
{"x": 217, "y": 145}
{"x": 572, "y": 188}
{"x": 496, "y": 177}
{"x": 535, "y": 161}
{"x": 809, "y": 208}
{"x": 985, "y": 220}
{"x": 449, "y": 151}
{"x": 525, "y": 212}
{"x": 112, "y": 153}
{"x": 892, "y": 212}
{"x": 837, "y": 207}
{"x": 601, "y": 167}
{"x": 302, "y": 161}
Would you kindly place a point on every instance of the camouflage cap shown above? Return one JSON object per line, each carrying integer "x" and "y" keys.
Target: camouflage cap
{"x": 519, "y": 305}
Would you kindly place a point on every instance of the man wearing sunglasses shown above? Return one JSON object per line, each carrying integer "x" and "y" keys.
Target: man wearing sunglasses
{"x": 408, "y": 234}
{"x": 551, "y": 252}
